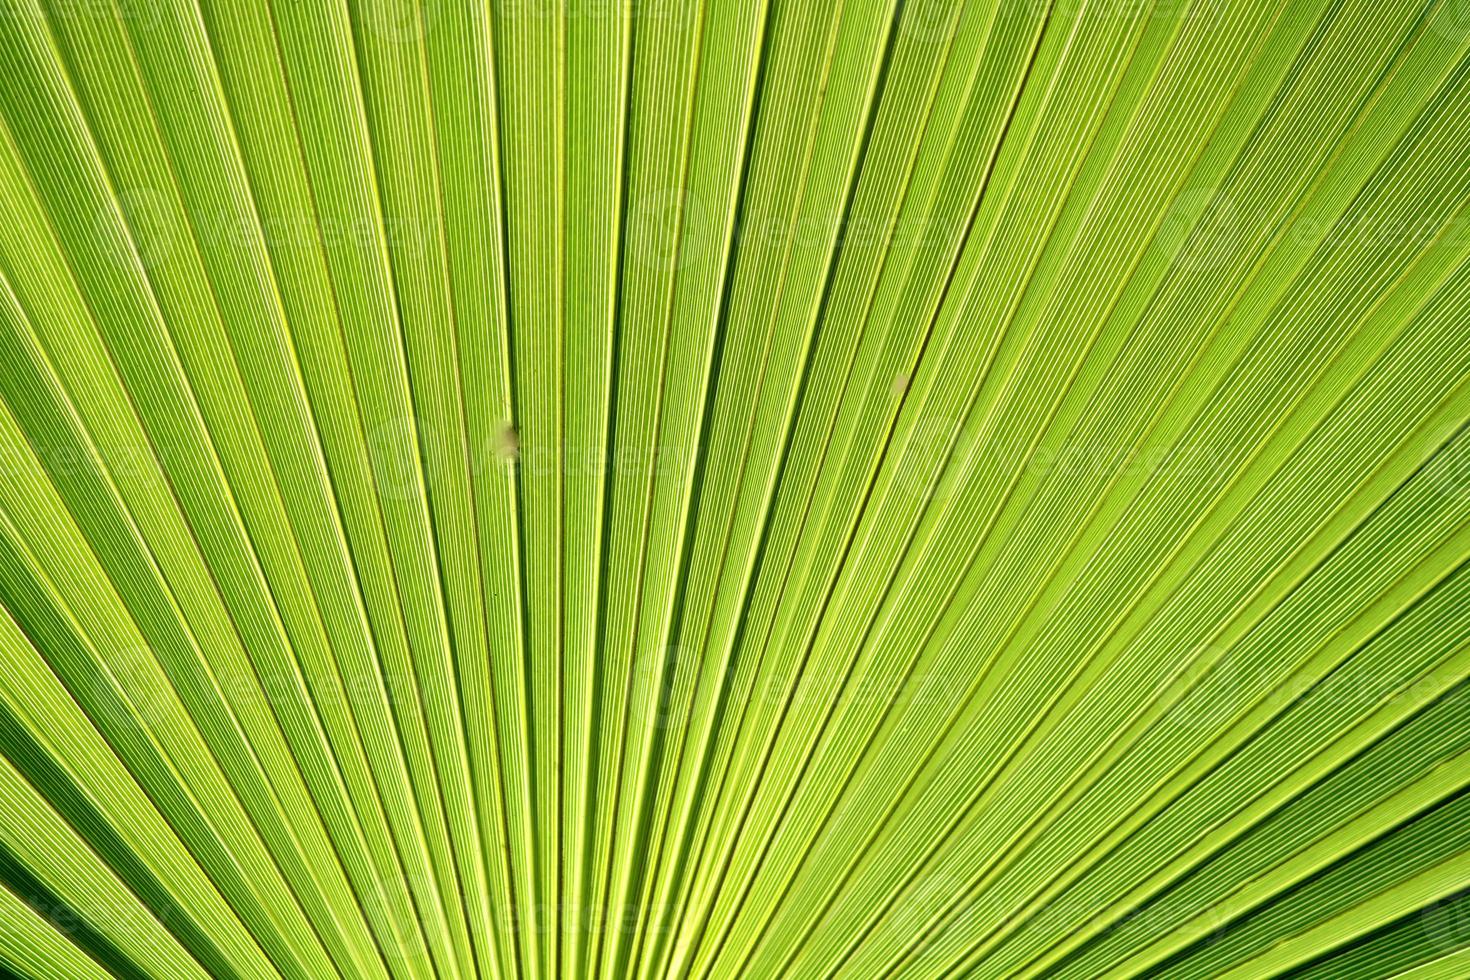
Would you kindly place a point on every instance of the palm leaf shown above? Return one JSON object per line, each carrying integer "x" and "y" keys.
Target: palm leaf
{"x": 563, "y": 488}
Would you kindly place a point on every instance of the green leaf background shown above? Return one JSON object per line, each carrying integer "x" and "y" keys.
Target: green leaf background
{"x": 734, "y": 488}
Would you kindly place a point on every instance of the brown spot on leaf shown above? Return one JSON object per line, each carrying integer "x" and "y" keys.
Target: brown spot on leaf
{"x": 507, "y": 442}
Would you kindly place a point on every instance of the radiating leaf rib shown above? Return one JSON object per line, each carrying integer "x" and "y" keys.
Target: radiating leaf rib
{"x": 31, "y": 947}
{"x": 78, "y": 892}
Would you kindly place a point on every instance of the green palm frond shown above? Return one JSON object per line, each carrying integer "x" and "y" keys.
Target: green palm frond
{"x": 734, "y": 488}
